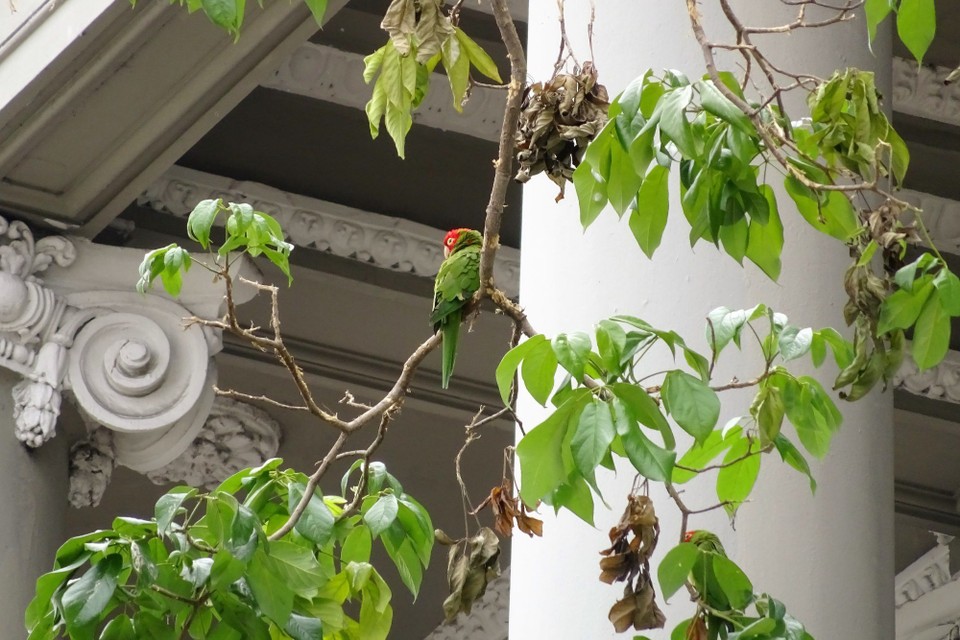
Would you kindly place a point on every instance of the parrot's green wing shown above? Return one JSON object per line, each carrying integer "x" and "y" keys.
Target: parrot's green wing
{"x": 457, "y": 280}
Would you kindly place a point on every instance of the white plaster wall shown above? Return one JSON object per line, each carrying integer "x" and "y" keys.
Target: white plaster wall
{"x": 830, "y": 557}
{"x": 33, "y": 503}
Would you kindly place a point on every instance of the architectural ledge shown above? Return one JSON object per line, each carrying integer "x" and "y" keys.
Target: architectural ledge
{"x": 329, "y": 74}
{"x": 928, "y": 596}
{"x": 488, "y": 620}
{"x": 941, "y": 217}
{"x": 72, "y": 324}
{"x": 383, "y": 241}
{"x": 941, "y": 382}
{"x": 920, "y": 91}
{"x": 98, "y": 98}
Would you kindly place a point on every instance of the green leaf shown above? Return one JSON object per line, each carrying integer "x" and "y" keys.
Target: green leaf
{"x": 792, "y": 456}
{"x": 877, "y": 11}
{"x": 200, "y": 221}
{"x": 357, "y": 546}
{"x": 270, "y": 590}
{"x": 735, "y": 481}
{"x": 699, "y": 456}
{"x": 381, "y": 514}
{"x": 794, "y": 343}
{"x": 769, "y": 414}
{"x": 511, "y": 361}
{"x": 948, "y": 287}
{"x": 916, "y": 25}
{"x": 572, "y": 350}
{"x": 649, "y": 219}
{"x": 457, "y": 66}
{"x": 735, "y": 584}
{"x": 297, "y": 567}
{"x": 303, "y": 628}
{"x": 931, "y": 335}
{"x": 611, "y": 342}
{"x": 318, "y": 8}
{"x": 901, "y": 308}
{"x": 591, "y": 187}
{"x": 542, "y": 466}
{"x": 694, "y": 405}
{"x": 834, "y": 215}
{"x": 715, "y": 102}
{"x": 675, "y": 567}
{"x": 674, "y": 123}
{"x": 86, "y": 599}
{"x": 647, "y": 458}
{"x": 480, "y": 59}
{"x": 765, "y": 241}
{"x": 226, "y": 14}
{"x": 592, "y": 437}
{"x": 575, "y": 497}
{"x": 642, "y": 408}
{"x": 538, "y": 371}
{"x": 120, "y": 628}
{"x": 169, "y": 504}
{"x": 316, "y": 523}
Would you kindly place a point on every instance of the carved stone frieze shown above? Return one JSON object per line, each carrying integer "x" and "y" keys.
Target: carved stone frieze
{"x": 920, "y": 91}
{"x": 941, "y": 217}
{"x": 488, "y": 620}
{"x": 329, "y": 74}
{"x": 235, "y": 435}
{"x": 929, "y": 572}
{"x": 941, "y": 382}
{"x": 390, "y": 243}
{"x": 71, "y": 325}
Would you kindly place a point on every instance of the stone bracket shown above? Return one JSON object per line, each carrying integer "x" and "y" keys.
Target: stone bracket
{"x": 72, "y": 325}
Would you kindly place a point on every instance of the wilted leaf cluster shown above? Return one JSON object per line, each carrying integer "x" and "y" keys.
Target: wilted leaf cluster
{"x": 508, "y": 509}
{"x": 421, "y": 37}
{"x": 558, "y": 119}
{"x": 633, "y": 540}
{"x": 471, "y": 564}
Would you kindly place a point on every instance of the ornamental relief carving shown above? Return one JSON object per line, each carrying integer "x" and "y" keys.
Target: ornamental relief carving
{"x": 382, "y": 241}
{"x": 71, "y": 326}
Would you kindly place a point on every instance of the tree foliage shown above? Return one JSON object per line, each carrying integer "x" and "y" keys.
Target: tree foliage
{"x": 269, "y": 555}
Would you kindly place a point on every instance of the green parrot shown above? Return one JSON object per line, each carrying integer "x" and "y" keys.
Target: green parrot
{"x": 457, "y": 280}
{"x": 702, "y": 575}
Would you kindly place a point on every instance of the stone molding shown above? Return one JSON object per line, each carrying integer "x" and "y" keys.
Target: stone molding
{"x": 235, "y": 435}
{"x": 383, "y": 241}
{"x": 941, "y": 382}
{"x": 920, "y": 91}
{"x": 928, "y": 596}
{"x": 71, "y": 325}
{"x": 941, "y": 216}
{"x": 329, "y": 74}
{"x": 488, "y": 620}
{"x": 930, "y": 571}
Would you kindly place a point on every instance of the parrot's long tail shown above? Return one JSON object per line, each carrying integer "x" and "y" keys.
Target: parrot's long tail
{"x": 451, "y": 333}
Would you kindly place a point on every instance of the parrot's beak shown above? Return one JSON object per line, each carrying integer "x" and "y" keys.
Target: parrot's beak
{"x": 446, "y": 252}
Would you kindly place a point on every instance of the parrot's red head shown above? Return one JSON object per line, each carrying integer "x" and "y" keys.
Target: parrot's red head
{"x": 457, "y": 238}
{"x": 690, "y": 534}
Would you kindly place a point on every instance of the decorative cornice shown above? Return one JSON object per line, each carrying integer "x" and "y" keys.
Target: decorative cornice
{"x": 941, "y": 382}
{"x": 930, "y": 571}
{"x": 920, "y": 91}
{"x": 487, "y": 620}
{"x": 383, "y": 241}
{"x": 71, "y": 326}
{"x": 941, "y": 217}
{"x": 329, "y": 74}
{"x": 234, "y": 436}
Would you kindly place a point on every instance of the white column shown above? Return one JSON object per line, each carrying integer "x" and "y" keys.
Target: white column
{"x": 829, "y": 557}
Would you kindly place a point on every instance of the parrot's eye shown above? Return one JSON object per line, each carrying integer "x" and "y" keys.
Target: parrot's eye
{"x": 449, "y": 240}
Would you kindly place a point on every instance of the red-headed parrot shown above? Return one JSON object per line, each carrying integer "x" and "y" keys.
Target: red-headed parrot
{"x": 457, "y": 280}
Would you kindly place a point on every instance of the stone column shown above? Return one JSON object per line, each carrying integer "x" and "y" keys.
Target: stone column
{"x": 829, "y": 557}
